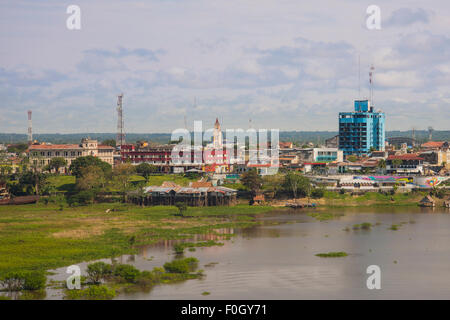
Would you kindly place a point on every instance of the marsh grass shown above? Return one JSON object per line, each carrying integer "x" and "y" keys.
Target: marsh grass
{"x": 338, "y": 254}
{"x": 40, "y": 236}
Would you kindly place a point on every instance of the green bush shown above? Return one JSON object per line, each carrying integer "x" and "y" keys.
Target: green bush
{"x": 91, "y": 293}
{"x": 181, "y": 265}
{"x": 317, "y": 193}
{"x": 98, "y": 271}
{"x": 81, "y": 198}
{"x": 34, "y": 280}
{"x": 127, "y": 272}
{"x": 23, "y": 280}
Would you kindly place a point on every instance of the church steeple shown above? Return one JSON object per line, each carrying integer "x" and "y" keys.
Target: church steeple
{"x": 217, "y": 124}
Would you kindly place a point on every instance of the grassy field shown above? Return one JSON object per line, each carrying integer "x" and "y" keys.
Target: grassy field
{"x": 43, "y": 237}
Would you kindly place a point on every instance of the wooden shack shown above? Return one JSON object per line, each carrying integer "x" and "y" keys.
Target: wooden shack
{"x": 170, "y": 193}
{"x": 427, "y": 201}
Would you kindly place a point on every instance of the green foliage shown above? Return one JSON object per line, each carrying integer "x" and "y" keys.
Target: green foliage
{"x": 91, "y": 293}
{"x": 98, "y": 271}
{"x": 252, "y": 180}
{"x": 57, "y": 163}
{"x": 127, "y": 272}
{"x": 318, "y": 193}
{"x": 182, "y": 208}
{"x": 23, "y": 280}
{"x": 83, "y": 162}
{"x": 109, "y": 142}
{"x": 297, "y": 184}
{"x": 181, "y": 265}
{"x": 145, "y": 169}
{"x": 81, "y": 198}
{"x": 332, "y": 254}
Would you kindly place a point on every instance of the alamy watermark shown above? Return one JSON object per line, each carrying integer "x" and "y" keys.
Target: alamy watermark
{"x": 254, "y": 147}
{"x": 73, "y": 22}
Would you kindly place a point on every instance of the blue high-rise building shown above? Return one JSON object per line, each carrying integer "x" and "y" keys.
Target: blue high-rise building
{"x": 361, "y": 130}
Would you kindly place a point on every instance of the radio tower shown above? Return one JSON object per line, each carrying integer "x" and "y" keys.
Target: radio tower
{"x": 30, "y": 129}
{"x": 371, "y": 83}
{"x": 120, "y": 140}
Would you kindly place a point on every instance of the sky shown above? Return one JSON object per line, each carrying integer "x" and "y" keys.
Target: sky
{"x": 274, "y": 64}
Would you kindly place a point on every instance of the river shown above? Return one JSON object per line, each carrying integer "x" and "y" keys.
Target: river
{"x": 279, "y": 261}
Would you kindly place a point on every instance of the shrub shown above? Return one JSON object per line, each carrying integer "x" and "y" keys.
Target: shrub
{"x": 98, "y": 271}
{"x": 91, "y": 293}
{"x": 332, "y": 254}
{"x": 181, "y": 265}
{"x": 12, "y": 281}
{"x": 178, "y": 248}
{"x": 317, "y": 193}
{"x": 81, "y": 198}
{"x": 127, "y": 272}
{"x": 23, "y": 280}
{"x": 34, "y": 280}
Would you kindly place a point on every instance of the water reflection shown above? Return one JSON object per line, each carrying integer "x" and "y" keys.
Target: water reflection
{"x": 278, "y": 261}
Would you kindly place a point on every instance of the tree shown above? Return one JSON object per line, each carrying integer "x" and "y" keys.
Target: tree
{"x": 252, "y": 180}
{"x": 83, "y": 162}
{"x": 273, "y": 183}
{"x": 109, "y": 142}
{"x": 381, "y": 164}
{"x": 182, "y": 207}
{"x": 397, "y": 162}
{"x": 297, "y": 183}
{"x": 121, "y": 178}
{"x": 56, "y": 163}
{"x": 145, "y": 170}
{"x": 91, "y": 178}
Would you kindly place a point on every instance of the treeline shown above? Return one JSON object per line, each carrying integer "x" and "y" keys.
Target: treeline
{"x": 317, "y": 137}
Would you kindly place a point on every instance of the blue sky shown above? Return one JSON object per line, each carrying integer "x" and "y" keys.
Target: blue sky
{"x": 286, "y": 64}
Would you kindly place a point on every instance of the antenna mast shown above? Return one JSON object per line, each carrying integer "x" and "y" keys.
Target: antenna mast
{"x": 120, "y": 140}
{"x": 30, "y": 129}
{"x": 371, "y": 83}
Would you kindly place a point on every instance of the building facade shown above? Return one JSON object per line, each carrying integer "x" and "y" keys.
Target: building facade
{"x": 41, "y": 154}
{"x": 362, "y": 130}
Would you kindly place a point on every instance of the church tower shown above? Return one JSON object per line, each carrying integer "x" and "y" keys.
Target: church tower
{"x": 217, "y": 136}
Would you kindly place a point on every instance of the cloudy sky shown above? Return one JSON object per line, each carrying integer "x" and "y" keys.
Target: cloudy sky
{"x": 287, "y": 64}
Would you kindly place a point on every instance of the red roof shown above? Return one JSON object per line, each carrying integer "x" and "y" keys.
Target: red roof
{"x": 433, "y": 144}
{"x": 409, "y": 156}
{"x": 54, "y": 146}
{"x": 102, "y": 146}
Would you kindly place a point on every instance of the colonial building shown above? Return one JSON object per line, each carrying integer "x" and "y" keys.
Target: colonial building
{"x": 41, "y": 154}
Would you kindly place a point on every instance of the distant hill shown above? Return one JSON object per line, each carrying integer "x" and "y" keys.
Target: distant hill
{"x": 300, "y": 137}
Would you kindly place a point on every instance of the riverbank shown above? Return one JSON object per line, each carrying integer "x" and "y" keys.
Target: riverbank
{"x": 335, "y": 199}
{"x": 44, "y": 237}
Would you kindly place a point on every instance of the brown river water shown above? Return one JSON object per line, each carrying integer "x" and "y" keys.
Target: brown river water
{"x": 279, "y": 262}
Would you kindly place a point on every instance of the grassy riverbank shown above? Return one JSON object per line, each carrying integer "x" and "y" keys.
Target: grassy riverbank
{"x": 336, "y": 199}
{"x": 44, "y": 237}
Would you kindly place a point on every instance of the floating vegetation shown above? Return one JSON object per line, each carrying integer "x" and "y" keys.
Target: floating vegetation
{"x": 324, "y": 216}
{"x": 394, "y": 227}
{"x": 366, "y": 225}
{"x": 363, "y": 226}
{"x": 179, "y": 247}
{"x": 205, "y": 293}
{"x": 332, "y": 254}
{"x": 211, "y": 264}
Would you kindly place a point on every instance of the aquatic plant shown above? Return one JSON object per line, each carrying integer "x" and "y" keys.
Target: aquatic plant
{"x": 332, "y": 254}
{"x": 98, "y": 271}
{"x": 94, "y": 292}
{"x": 181, "y": 265}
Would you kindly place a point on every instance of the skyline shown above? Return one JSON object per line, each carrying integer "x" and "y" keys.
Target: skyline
{"x": 282, "y": 64}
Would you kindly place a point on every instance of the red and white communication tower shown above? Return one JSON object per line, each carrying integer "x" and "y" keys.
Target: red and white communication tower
{"x": 30, "y": 129}
{"x": 120, "y": 139}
